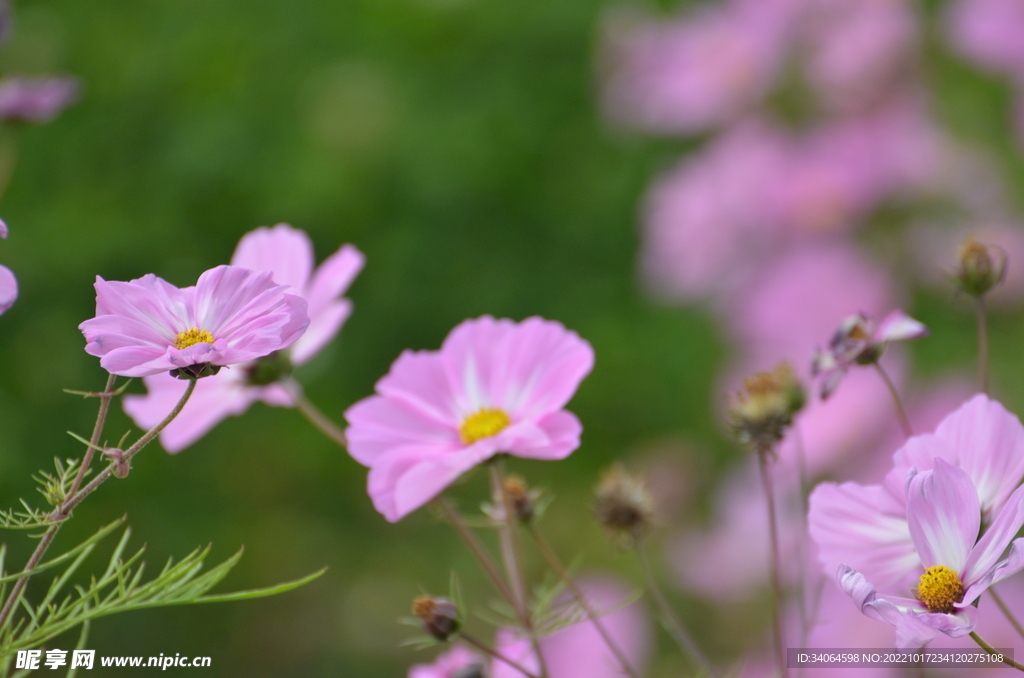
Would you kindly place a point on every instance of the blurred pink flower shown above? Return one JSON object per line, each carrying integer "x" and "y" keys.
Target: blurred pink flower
{"x": 287, "y": 253}
{"x": 232, "y": 315}
{"x": 988, "y": 33}
{"x": 686, "y": 74}
{"x": 857, "y": 49}
{"x": 866, "y": 527}
{"x": 495, "y": 386}
{"x": 36, "y": 100}
{"x": 578, "y": 651}
{"x": 858, "y": 341}
{"x": 448, "y": 665}
{"x": 8, "y": 288}
{"x": 954, "y": 566}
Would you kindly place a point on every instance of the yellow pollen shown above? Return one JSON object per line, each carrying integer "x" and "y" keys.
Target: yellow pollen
{"x": 192, "y": 337}
{"x": 485, "y": 423}
{"x": 939, "y": 588}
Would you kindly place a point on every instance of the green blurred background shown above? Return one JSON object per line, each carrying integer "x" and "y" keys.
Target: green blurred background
{"x": 458, "y": 144}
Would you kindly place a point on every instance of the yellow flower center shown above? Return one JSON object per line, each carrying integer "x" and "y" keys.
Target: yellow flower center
{"x": 939, "y": 588}
{"x": 483, "y": 424}
{"x": 191, "y": 337}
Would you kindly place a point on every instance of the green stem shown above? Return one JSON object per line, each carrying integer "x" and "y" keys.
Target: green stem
{"x": 1005, "y": 609}
{"x": 314, "y": 416}
{"x": 668, "y": 617}
{"x": 766, "y": 479}
{"x": 556, "y": 565}
{"x": 982, "y": 343}
{"x": 513, "y": 558}
{"x": 97, "y": 430}
{"x": 476, "y": 548}
{"x": 900, "y": 412}
{"x": 992, "y": 651}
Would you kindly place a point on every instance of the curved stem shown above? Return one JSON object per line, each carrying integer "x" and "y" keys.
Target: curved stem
{"x": 1005, "y": 609}
{"x": 766, "y": 479}
{"x": 560, "y": 570}
{"x": 992, "y": 651}
{"x": 126, "y": 456}
{"x": 982, "y": 343}
{"x": 476, "y": 547}
{"x": 513, "y": 557}
{"x": 314, "y": 416}
{"x": 900, "y": 412}
{"x": 668, "y": 617}
{"x": 97, "y": 431}
{"x": 497, "y": 655}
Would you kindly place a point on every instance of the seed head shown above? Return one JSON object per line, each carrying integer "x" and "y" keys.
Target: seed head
{"x": 440, "y": 616}
{"x": 624, "y": 505}
{"x": 761, "y": 413}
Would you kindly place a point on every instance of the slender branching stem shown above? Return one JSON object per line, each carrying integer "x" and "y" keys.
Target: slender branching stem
{"x": 563, "y": 574}
{"x": 900, "y": 412}
{"x": 497, "y": 655}
{"x": 1005, "y": 609}
{"x": 992, "y": 651}
{"x": 126, "y": 456}
{"x": 314, "y": 416}
{"x": 513, "y": 558}
{"x": 476, "y": 548}
{"x": 668, "y": 618}
{"x": 97, "y": 431}
{"x": 769, "y": 493}
{"x": 982, "y": 343}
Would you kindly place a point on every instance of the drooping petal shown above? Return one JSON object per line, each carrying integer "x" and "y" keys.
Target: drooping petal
{"x": 997, "y": 537}
{"x": 8, "y": 288}
{"x": 849, "y": 525}
{"x": 989, "y": 444}
{"x": 284, "y": 251}
{"x": 866, "y": 598}
{"x": 898, "y": 326}
{"x": 916, "y": 629}
{"x": 1012, "y": 564}
{"x": 944, "y": 515}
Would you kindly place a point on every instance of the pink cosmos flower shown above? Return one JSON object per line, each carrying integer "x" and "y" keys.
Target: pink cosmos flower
{"x": 683, "y": 75}
{"x": 36, "y": 100}
{"x": 859, "y": 342}
{"x": 954, "y": 566}
{"x": 495, "y": 386}
{"x": 988, "y": 33}
{"x": 232, "y": 315}
{"x": 866, "y": 526}
{"x": 287, "y": 253}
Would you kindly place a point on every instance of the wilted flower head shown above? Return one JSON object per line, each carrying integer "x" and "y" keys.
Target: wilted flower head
{"x": 287, "y": 253}
{"x": 232, "y": 315}
{"x": 623, "y": 504}
{"x": 440, "y": 616}
{"x": 859, "y": 342}
{"x": 764, "y": 409}
{"x": 36, "y": 100}
{"x": 495, "y": 386}
{"x": 981, "y": 268}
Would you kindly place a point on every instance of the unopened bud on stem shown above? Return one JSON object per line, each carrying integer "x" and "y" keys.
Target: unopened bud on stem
{"x": 440, "y": 616}
{"x": 981, "y": 267}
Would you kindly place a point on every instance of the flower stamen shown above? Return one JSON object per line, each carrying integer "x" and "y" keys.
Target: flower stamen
{"x": 483, "y": 424}
{"x": 939, "y": 588}
{"x": 191, "y": 337}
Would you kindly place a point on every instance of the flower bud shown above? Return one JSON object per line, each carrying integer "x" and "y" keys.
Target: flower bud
{"x": 520, "y": 497}
{"x": 624, "y": 505}
{"x": 981, "y": 267}
{"x": 440, "y": 616}
{"x": 121, "y": 465}
{"x": 765, "y": 408}
{"x": 196, "y": 371}
{"x": 269, "y": 369}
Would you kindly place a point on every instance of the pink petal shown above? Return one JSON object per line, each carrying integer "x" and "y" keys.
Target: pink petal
{"x": 419, "y": 379}
{"x": 916, "y": 629}
{"x": 913, "y": 632}
{"x": 944, "y": 515}
{"x": 898, "y": 326}
{"x": 989, "y": 443}
{"x": 8, "y": 288}
{"x": 1012, "y": 564}
{"x": 377, "y": 424}
{"x": 225, "y": 295}
{"x": 509, "y": 644}
{"x": 562, "y": 432}
{"x": 333, "y": 277}
{"x": 865, "y": 597}
{"x": 324, "y": 325}
{"x": 3, "y": 229}
{"x": 284, "y": 251}
{"x": 148, "y": 300}
{"x": 997, "y": 537}
{"x": 213, "y": 399}
{"x": 136, "y": 361}
{"x": 448, "y": 664}
{"x": 849, "y": 525}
